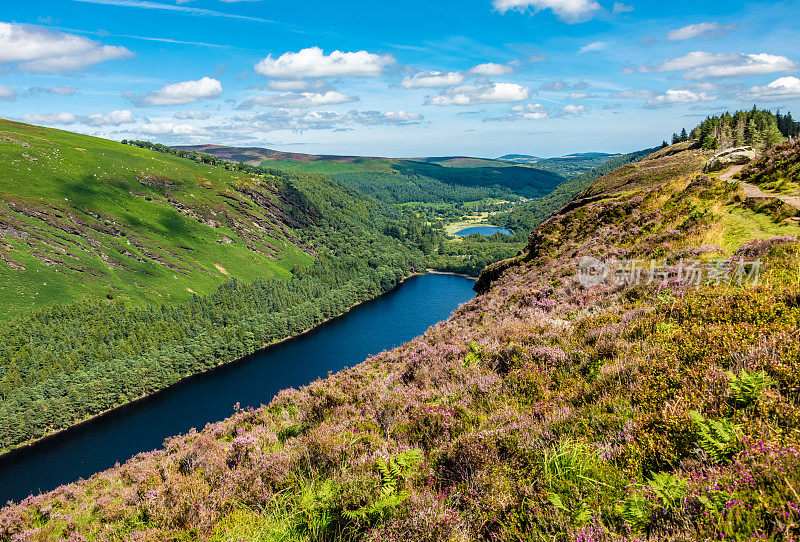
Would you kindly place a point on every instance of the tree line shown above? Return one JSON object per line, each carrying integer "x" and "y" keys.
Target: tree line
{"x": 759, "y": 128}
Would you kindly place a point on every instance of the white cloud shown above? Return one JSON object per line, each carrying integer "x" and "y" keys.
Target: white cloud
{"x": 181, "y": 93}
{"x": 400, "y": 117}
{"x": 7, "y": 93}
{"x": 168, "y": 128}
{"x": 594, "y": 46}
{"x": 491, "y": 69}
{"x": 432, "y": 79}
{"x": 60, "y": 90}
{"x": 38, "y": 49}
{"x": 679, "y": 97}
{"x": 298, "y": 85}
{"x": 50, "y": 118}
{"x": 570, "y": 11}
{"x": 701, "y": 65}
{"x": 579, "y": 95}
{"x": 191, "y": 115}
{"x": 299, "y": 121}
{"x": 313, "y": 63}
{"x": 554, "y": 86}
{"x": 784, "y": 88}
{"x": 699, "y": 30}
{"x": 490, "y": 93}
{"x": 299, "y": 99}
{"x": 523, "y": 112}
{"x": 619, "y": 7}
{"x": 633, "y": 94}
{"x": 114, "y": 118}
{"x": 573, "y": 109}
{"x": 558, "y": 86}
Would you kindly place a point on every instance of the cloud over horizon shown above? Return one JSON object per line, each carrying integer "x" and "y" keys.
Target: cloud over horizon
{"x": 490, "y": 93}
{"x": 701, "y": 65}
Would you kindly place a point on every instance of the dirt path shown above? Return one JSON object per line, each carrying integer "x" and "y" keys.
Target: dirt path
{"x": 728, "y": 175}
{"x": 752, "y": 191}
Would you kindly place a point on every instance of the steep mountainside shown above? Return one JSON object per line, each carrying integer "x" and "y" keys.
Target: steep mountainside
{"x": 87, "y": 216}
{"x": 124, "y": 269}
{"x": 394, "y": 180}
{"x": 574, "y": 399}
{"x": 83, "y": 216}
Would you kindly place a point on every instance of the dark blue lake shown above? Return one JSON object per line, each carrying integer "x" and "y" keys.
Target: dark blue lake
{"x": 483, "y": 230}
{"x": 377, "y": 325}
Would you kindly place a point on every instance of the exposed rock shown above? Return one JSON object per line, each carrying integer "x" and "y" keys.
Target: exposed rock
{"x": 730, "y": 157}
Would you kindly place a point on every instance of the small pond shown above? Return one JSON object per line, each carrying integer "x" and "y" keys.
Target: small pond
{"x": 483, "y": 230}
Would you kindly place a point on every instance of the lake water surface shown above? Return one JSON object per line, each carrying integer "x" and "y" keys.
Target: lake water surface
{"x": 483, "y": 230}
{"x": 377, "y": 325}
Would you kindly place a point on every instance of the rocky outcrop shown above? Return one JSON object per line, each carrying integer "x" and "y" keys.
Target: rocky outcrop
{"x": 730, "y": 157}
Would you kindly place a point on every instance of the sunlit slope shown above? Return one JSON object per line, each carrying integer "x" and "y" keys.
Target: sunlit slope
{"x": 83, "y": 216}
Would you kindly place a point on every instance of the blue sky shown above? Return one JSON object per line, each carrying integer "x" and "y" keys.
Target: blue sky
{"x": 411, "y": 78}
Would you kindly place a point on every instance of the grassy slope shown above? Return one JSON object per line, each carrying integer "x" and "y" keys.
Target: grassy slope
{"x": 542, "y": 410}
{"x": 82, "y": 216}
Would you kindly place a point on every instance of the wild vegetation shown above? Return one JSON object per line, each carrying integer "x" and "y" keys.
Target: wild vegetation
{"x": 544, "y": 409}
{"x": 87, "y": 217}
{"x": 777, "y": 170}
{"x": 303, "y": 247}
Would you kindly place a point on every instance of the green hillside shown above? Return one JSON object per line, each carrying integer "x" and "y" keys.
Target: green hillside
{"x": 394, "y": 180}
{"x": 644, "y": 403}
{"x": 86, "y": 216}
{"x": 105, "y": 245}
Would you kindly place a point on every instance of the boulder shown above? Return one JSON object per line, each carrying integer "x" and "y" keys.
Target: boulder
{"x": 730, "y": 157}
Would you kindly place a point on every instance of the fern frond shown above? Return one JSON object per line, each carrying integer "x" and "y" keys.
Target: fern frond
{"x": 636, "y": 510}
{"x": 747, "y": 387}
{"x": 718, "y": 438}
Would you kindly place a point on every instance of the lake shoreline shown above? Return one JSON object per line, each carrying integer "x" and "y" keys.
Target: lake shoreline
{"x": 22, "y": 447}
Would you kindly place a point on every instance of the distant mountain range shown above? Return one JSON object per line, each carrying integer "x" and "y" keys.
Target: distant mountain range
{"x": 403, "y": 180}
{"x": 566, "y": 166}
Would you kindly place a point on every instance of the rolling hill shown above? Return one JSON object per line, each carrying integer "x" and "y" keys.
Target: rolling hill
{"x": 566, "y": 166}
{"x": 83, "y": 216}
{"x": 395, "y": 180}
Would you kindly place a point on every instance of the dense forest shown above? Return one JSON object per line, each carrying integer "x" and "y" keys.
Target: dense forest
{"x": 63, "y": 364}
{"x": 756, "y": 128}
{"x": 396, "y": 187}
